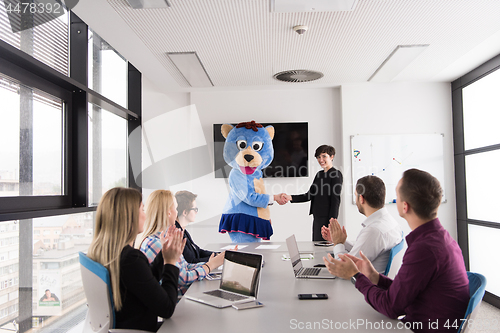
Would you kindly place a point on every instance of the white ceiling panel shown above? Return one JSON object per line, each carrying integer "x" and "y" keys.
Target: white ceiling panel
{"x": 243, "y": 43}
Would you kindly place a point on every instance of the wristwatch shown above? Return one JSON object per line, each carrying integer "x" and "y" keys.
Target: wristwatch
{"x": 354, "y": 277}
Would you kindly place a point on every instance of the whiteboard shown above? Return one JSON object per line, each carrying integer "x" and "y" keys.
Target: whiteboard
{"x": 388, "y": 156}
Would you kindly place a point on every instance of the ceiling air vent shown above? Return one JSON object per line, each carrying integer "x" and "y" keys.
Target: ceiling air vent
{"x": 298, "y": 75}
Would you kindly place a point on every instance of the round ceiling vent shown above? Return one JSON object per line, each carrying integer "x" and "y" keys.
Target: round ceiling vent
{"x": 298, "y": 75}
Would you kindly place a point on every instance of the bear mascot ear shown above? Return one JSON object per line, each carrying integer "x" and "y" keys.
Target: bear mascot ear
{"x": 225, "y": 129}
{"x": 270, "y": 130}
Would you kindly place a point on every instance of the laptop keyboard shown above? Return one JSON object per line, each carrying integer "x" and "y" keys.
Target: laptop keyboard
{"x": 310, "y": 271}
{"x": 225, "y": 295}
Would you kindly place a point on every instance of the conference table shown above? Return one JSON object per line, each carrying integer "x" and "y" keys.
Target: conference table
{"x": 344, "y": 310}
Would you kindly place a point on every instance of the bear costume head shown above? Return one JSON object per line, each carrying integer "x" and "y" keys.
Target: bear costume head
{"x": 248, "y": 147}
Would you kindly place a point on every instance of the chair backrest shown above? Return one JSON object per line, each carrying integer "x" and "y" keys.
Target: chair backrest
{"x": 395, "y": 250}
{"x": 97, "y": 287}
{"x": 477, "y": 285}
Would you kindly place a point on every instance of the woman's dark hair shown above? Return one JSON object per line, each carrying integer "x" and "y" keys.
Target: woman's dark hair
{"x": 324, "y": 149}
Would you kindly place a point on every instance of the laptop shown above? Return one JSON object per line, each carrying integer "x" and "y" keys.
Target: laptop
{"x": 298, "y": 269}
{"x": 239, "y": 281}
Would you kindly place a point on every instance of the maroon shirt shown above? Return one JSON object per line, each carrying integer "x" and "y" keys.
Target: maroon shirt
{"x": 431, "y": 285}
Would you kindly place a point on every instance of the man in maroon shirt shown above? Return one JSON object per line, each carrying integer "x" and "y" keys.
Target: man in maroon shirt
{"x": 431, "y": 289}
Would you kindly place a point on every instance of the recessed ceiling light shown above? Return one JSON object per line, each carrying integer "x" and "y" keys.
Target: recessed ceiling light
{"x": 398, "y": 60}
{"x": 190, "y": 66}
{"x": 291, "y": 6}
{"x": 147, "y": 4}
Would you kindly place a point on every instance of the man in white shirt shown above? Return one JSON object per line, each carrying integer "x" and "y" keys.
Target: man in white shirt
{"x": 380, "y": 231}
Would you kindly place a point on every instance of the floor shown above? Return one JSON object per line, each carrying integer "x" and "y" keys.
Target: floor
{"x": 487, "y": 319}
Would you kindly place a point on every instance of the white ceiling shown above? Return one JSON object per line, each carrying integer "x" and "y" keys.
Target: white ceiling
{"x": 241, "y": 43}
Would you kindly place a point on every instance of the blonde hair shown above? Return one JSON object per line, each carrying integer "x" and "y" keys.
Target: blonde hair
{"x": 157, "y": 206}
{"x": 117, "y": 224}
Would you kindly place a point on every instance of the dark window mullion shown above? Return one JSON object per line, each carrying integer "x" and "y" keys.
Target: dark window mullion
{"x": 482, "y": 149}
{"x": 133, "y": 127}
{"x": 78, "y": 165}
{"x": 463, "y": 221}
{"x": 482, "y": 223}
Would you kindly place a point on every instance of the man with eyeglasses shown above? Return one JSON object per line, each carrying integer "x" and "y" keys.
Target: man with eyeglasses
{"x": 186, "y": 213}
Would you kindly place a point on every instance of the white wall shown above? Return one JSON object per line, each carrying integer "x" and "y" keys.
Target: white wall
{"x": 333, "y": 115}
{"x": 155, "y": 104}
{"x": 398, "y": 108}
{"x": 319, "y": 107}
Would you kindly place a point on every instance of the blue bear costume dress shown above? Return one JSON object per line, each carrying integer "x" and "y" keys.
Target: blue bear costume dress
{"x": 248, "y": 150}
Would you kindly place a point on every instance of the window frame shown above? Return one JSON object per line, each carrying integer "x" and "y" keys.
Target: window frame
{"x": 76, "y": 95}
{"x": 74, "y": 91}
{"x": 460, "y": 154}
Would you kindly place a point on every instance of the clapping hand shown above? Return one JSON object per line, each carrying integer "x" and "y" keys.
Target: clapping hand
{"x": 325, "y": 233}
{"x": 343, "y": 268}
{"x": 365, "y": 267}
{"x": 338, "y": 234}
{"x": 172, "y": 244}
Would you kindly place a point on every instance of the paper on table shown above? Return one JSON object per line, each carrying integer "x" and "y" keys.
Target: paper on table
{"x": 267, "y": 247}
{"x": 303, "y": 256}
{"x": 232, "y": 246}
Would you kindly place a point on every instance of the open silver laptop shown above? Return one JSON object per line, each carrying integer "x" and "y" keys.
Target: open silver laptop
{"x": 298, "y": 269}
{"x": 239, "y": 282}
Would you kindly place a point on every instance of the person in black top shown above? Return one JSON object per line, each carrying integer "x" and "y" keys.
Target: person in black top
{"x": 138, "y": 296}
{"x": 186, "y": 213}
{"x": 324, "y": 192}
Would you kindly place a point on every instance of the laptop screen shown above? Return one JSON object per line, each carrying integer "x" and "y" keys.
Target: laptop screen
{"x": 293, "y": 251}
{"x": 241, "y": 272}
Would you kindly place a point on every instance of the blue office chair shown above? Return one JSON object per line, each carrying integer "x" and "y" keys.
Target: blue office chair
{"x": 97, "y": 286}
{"x": 477, "y": 285}
{"x": 395, "y": 250}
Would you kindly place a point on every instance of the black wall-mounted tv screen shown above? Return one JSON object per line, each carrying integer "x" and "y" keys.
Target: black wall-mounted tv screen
{"x": 290, "y": 151}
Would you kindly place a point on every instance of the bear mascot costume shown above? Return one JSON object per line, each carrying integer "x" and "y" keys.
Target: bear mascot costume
{"x": 248, "y": 149}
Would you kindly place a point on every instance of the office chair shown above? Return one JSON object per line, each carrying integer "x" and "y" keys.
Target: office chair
{"x": 477, "y": 285}
{"x": 97, "y": 286}
{"x": 395, "y": 250}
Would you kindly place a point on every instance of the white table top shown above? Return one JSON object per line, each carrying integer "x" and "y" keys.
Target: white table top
{"x": 345, "y": 310}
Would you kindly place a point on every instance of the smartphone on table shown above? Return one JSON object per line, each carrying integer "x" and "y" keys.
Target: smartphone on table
{"x": 313, "y": 296}
{"x": 247, "y": 305}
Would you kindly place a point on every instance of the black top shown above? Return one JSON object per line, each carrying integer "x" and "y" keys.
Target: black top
{"x": 192, "y": 252}
{"x": 324, "y": 194}
{"x": 143, "y": 298}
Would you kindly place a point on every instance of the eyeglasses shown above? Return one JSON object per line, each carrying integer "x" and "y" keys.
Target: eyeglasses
{"x": 194, "y": 208}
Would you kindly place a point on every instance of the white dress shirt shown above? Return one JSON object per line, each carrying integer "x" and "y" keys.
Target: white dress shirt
{"x": 379, "y": 235}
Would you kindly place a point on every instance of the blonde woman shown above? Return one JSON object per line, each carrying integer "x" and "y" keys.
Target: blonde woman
{"x": 161, "y": 212}
{"x": 138, "y": 296}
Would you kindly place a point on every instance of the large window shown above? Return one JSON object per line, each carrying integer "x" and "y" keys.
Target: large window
{"x": 107, "y": 156}
{"x": 476, "y": 115}
{"x": 107, "y": 70}
{"x": 63, "y": 145}
{"x": 48, "y": 42}
{"x": 32, "y": 134}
